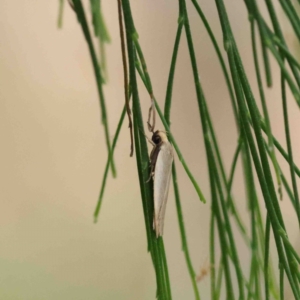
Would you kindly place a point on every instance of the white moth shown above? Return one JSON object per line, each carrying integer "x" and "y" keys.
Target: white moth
{"x": 161, "y": 159}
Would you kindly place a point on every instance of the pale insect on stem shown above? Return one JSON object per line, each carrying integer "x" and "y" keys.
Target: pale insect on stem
{"x": 161, "y": 159}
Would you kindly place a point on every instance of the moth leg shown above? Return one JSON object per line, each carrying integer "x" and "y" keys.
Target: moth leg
{"x": 152, "y": 166}
{"x": 151, "y": 111}
{"x": 150, "y": 177}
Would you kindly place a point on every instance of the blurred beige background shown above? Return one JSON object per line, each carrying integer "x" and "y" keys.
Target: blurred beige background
{"x": 53, "y": 153}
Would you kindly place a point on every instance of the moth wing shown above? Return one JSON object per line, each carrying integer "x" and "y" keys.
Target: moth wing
{"x": 162, "y": 176}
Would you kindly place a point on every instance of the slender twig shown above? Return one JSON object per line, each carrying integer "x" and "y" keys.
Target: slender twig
{"x": 151, "y": 111}
{"x": 263, "y": 171}
{"x": 265, "y": 109}
{"x": 125, "y": 75}
{"x": 289, "y": 147}
{"x": 154, "y": 245}
{"x": 116, "y": 136}
{"x": 78, "y": 8}
{"x": 167, "y": 114}
{"x": 60, "y": 13}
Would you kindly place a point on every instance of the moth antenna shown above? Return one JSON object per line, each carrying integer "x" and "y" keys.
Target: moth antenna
{"x": 147, "y": 138}
{"x": 151, "y": 112}
{"x": 150, "y": 128}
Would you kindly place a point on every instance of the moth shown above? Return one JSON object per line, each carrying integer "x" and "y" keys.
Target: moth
{"x": 161, "y": 159}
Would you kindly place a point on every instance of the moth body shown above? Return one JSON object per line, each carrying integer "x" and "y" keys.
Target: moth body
{"x": 161, "y": 159}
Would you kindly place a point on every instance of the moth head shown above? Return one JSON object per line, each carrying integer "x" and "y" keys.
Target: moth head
{"x": 158, "y": 137}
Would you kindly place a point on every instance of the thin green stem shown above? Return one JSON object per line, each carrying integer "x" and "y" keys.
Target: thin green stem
{"x": 220, "y": 57}
{"x": 285, "y": 51}
{"x": 284, "y": 181}
{"x": 287, "y": 243}
{"x": 101, "y": 33}
{"x": 233, "y": 167}
{"x": 281, "y": 282}
{"x": 140, "y": 54}
{"x": 266, "y": 258}
{"x": 254, "y": 247}
{"x": 60, "y": 13}
{"x": 233, "y": 249}
{"x": 267, "y": 186}
{"x": 254, "y": 15}
{"x": 110, "y": 155}
{"x": 292, "y": 85}
{"x": 167, "y": 114}
{"x": 142, "y": 159}
{"x": 291, "y": 15}
{"x": 165, "y": 266}
{"x": 265, "y": 177}
{"x": 82, "y": 19}
{"x": 125, "y": 72}
{"x": 168, "y": 99}
{"x": 288, "y": 190}
{"x": 289, "y": 147}
{"x": 239, "y": 75}
{"x": 265, "y": 109}
{"x": 282, "y": 151}
{"x": 210, "y": 157}
{"x": 229, "y": 86}
{"x": 230, "y": 202}
{"x": 212, "y": 252}
{"x": 279, "y": 34}
{"x": 223, "y": 242}
{"x": 184, "y": 244}
{"x": 219, "y": 281}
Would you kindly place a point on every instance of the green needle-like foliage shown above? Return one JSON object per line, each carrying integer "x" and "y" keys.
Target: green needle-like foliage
{"x": 257, "y": 148}
{"x": 60, "y": 13}
{"x": 79, "y": 10}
